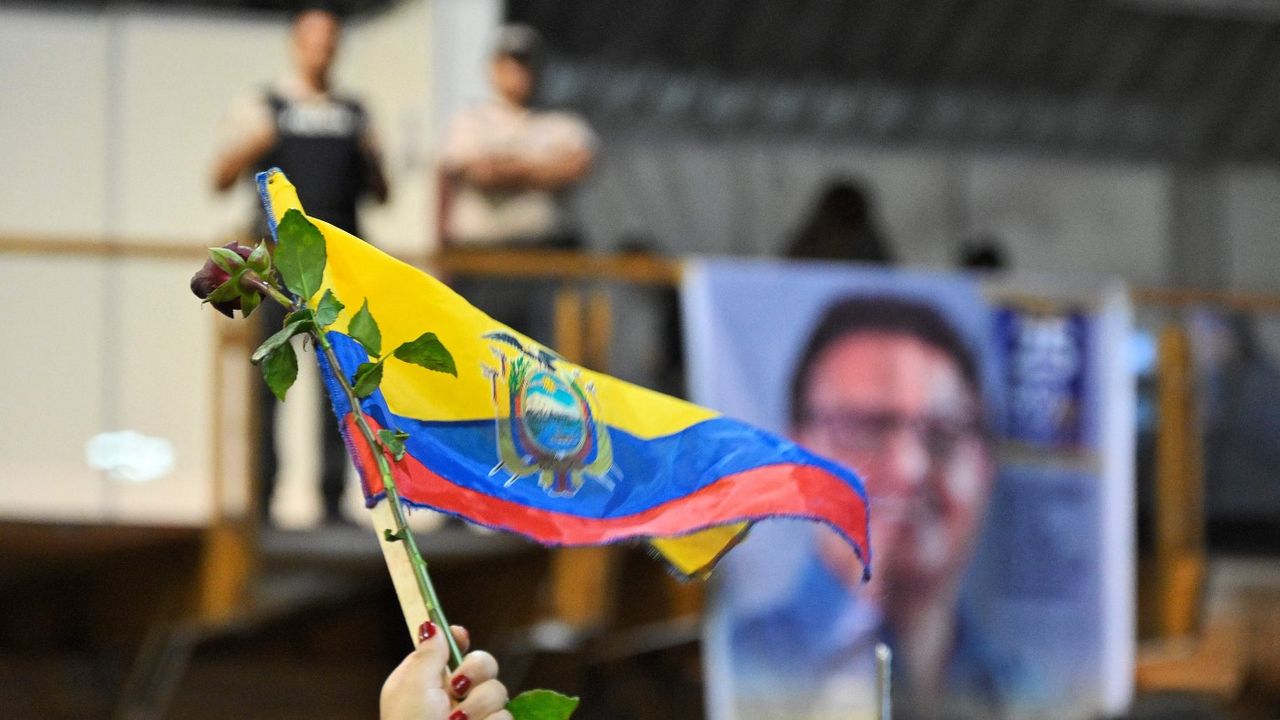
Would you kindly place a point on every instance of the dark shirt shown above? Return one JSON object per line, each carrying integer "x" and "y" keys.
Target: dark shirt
{"x": 319, "y": 146}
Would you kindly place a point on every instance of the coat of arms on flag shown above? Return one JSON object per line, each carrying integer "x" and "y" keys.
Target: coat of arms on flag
{"x": 544, "y": 420}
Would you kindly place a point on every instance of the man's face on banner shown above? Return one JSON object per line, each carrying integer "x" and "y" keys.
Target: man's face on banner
{"x": 899, "y": 412}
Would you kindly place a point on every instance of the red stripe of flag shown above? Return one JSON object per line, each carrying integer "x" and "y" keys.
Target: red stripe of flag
{"x": 783, "y": 490}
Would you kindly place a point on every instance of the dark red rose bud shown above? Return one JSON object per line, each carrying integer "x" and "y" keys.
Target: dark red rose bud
{"x": 210, "y": 277}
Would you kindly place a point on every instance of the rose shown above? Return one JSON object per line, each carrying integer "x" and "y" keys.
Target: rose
{"x": 215, "y": 273}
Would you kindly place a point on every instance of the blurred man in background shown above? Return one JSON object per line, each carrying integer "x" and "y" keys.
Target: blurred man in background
{"x": 507, "y": 167}
{"x": 886, "y": 387}
{"x": 323, "y": 142}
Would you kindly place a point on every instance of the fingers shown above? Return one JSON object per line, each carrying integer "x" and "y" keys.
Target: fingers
{"x": 476, "y": 687}
{"x": 486, "y": 701}
{"x": 461, "y": 636}
{"x": 421, "y": 687}
{"x": 476, "y": 668}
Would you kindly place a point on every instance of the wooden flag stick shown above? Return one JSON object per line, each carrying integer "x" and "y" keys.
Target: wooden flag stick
{"x": 412, "y": 602}
{"x": 248, "y": 277}
{"x": 408, "y": 570}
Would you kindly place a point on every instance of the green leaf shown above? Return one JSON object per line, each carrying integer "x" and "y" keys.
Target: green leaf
{"x": 327, "y": 309}
{"x": 249, "y": 298}
{"x": 229, "y": 290}
{"x": 393, "y": 442}
{"x": 364, "y": 330}
{"x": 542, "y": 705}
{"x": 280, "y": 369}
{"x": 368, "y": 377}
{"x": 300, "y": 254}
{"x": 428, "y": 352}
{"x": 248, "y": 303}
{"x": 226, "y": 259}
{"x": 298, "y": 323}
{"x": 260, "y": 259}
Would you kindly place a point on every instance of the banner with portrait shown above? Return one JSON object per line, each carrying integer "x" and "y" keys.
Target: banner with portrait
{"x": 993, "y": 427}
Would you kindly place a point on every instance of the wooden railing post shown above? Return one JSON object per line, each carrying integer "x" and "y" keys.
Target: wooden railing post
{"x": 582, "y": 579}
{"x": 229, "y": 559}
{"x": 1179, "y": 501}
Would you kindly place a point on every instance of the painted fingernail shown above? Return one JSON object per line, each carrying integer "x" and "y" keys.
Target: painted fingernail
{"x": 426, "y": 631}
{"x": 461, "y": 684}
{"x": 458, "y": 715}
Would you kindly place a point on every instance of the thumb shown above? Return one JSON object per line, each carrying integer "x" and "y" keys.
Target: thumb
{"x": 415, "y": 689}
{"x": 432, "y": 654}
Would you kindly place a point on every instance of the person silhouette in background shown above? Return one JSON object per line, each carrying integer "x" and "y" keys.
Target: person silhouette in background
{"x": 983, "y": 253}
{"x": 323, "y": 142}
{"x": 843, "y": 226}
{"x": 508, "y": 167}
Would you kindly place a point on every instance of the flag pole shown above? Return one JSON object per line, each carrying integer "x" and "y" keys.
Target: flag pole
{"x": 408, "y": 569}
{"x": 247, "y": 278}
{"x": 390, "y": 518}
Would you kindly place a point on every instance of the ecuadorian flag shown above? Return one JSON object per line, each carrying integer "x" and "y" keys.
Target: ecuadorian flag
{"x": 524, "y": 441}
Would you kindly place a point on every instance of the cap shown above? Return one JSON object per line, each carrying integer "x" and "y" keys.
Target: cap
{"x": 518, "y": 41}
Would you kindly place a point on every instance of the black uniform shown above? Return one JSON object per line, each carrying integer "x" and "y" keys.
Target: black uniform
{"x": 319, "y": 147}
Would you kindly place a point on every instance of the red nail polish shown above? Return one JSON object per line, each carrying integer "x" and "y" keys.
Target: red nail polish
{"x": 458, "y": 715}
{"x": 461, "y": 684}
{"x": 426, "y": 631}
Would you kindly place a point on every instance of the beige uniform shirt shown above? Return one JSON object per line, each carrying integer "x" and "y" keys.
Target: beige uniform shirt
{"x": 486, "y": 217}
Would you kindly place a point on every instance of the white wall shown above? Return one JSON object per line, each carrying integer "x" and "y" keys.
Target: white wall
{"x": 462, "y": 35}
{"x": 388, "y": 60}
{"x": 53, "y": 76}
{"x": 109, "y": 128}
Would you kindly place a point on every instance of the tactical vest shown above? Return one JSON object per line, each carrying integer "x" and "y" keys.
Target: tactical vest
{"x": 318, "y": 147}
